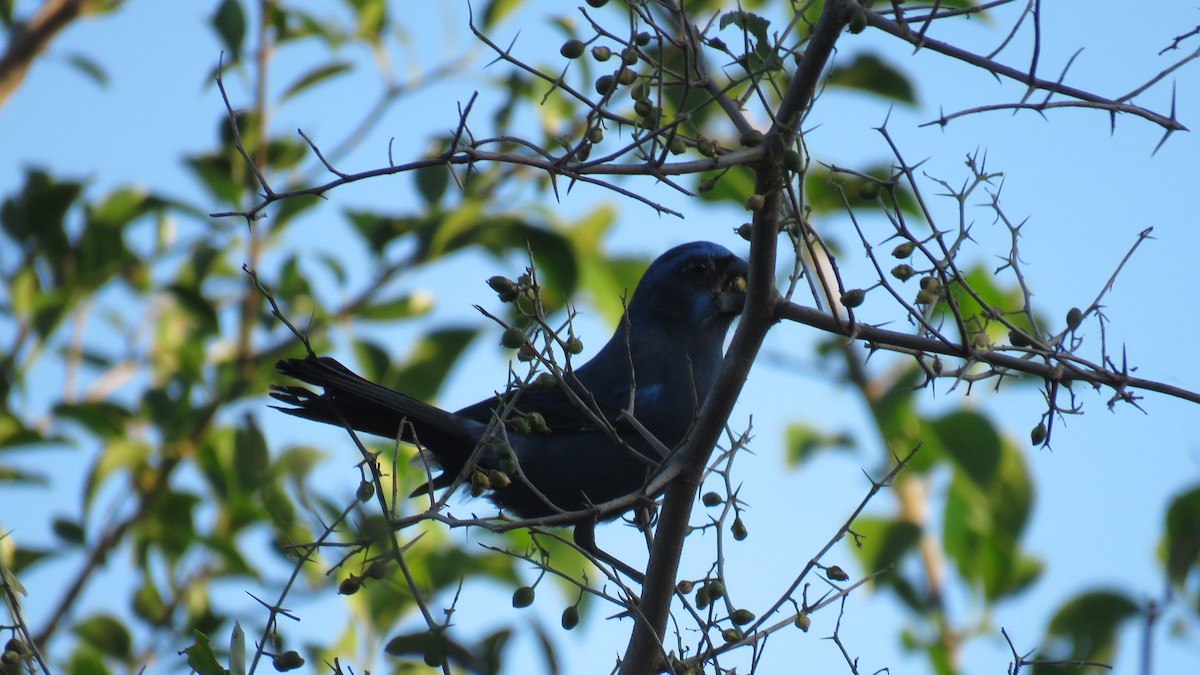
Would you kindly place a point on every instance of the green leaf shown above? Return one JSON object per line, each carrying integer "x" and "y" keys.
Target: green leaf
{"x": 495, "y": 11}
{"x": 971, "y": 441}
{"x": 198, "y": 307}
{"x": 89, "y": 67}
{"x": 872, "y": 74}
{"x": 1085, "y": 629}
{"x": 201, "y": 657}
{"x": 119, "y": 453}
{"x": 250, "y": 456}
{"x": 108, "y": 635}
{"x": 70, "y": 531}
{"x": 405, "y": 306}
{"x": 314, "y": 77}
{"x": 148, "y": 603}
{"x": 1181, "y": 541}
{"x": 432, "y": 182}
{"x": 237, "y": 650}
{"x": 429, "y": 361}
{"x": 882, "y": 542}
{"x": 229, "y": 20}
{"x": 102, "y": 418}
{"x": 803, "y": 441}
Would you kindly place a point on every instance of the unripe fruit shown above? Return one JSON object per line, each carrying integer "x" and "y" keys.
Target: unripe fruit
{"x": 702, "y": 597}
{"x": 570, "y": 617}
{"x": 903, "y": 272}
{"x": 574, "y": 345}
{"x": 597, "y": 3}
{"x": 755, "y": 202}
{"x": 605, "y": 84}
{"x": 741, "y": 617}
{"x": 926, "y": 297}
{"x": 642, "y": 39}
{"x": 519, "y": 425}
{"x": 350, "y": 585}
{"x": 836, "y": 573}
{"x": 601, "y": 53}
{"x": 711, "y": 499}
{"x": 1038, "y": 435}
{"x": 595, "y": 134}
{"x": 572, "y": 49}
{"x": 739, "y": 529}
{"x": 522, "y": 597}
{"x": 480, "y": 480}
{"x": 1018, "y": 339}
{"x": 508, "y": 466}
{"x": 537, "y": 422}
{"x": 678, "y": 146}
{"x": 626, "y": 77}
{"x": 1074, "y": 318}
{"x": 745, "y": 230}
{"x": 868, "y": 191}
{"x": 377, "y": 570}
{"x": 643, "y": 108}
{"x": 791, "y": 160}
{"x": 526, "y": 353}
{"x": 903, "y": 250}
{"x": 505, "y": 288}
{"x": 498, "y": 479}
{"x": 853, "y": 297}
{"x": 629, "y": 56}
{"x": 930, "y": 283}
{"x": 544, "y": 381}
{"x": 366, "y": 490}
{"x": 751, "y": 138}
{"x": 731, "y": 635}
{"x": 715, "y": 589}
{"x": 858, "y": 22}
{"x": 513, "y": 337}
{"x": 286, "y": 661}
{"x": 684, "y": 586}
{"x": 803, "y": 621}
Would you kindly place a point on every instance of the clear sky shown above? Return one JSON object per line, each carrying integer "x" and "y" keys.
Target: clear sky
{"x": 1086, "y": 189}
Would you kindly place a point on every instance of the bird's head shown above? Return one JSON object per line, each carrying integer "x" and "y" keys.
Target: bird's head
{"x": 698, "y": 287}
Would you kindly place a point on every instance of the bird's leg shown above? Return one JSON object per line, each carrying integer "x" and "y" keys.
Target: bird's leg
{"x": 585, "y": 537}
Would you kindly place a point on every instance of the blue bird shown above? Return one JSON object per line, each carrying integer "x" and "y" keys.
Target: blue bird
{"x": 663, "y": 358}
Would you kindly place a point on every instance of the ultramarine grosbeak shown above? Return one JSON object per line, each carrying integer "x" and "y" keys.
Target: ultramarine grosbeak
{"x": 659, "y": 365}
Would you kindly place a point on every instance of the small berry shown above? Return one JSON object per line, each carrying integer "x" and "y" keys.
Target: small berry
{"x": 570, "y": 617}
{"x": 522, "y": 597}
{"x": 513, "y": 337}
{"x": 903, "y": 250}
{"x": 1038, "y": 435}
{"x": 366, "y": 490}
{"x": 803, "y": 621}
{"x": 853, "y": 297}
{"x": 711, "y": 499}
{"x": 751, "y": 138}
{"x": 601, "y": 53}
{"x": 572, "y": 49}
{"x": 741, "y": 617}
{"x": 836, "y": 573}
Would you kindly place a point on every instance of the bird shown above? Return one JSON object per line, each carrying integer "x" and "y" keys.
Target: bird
{"x": 659, "y": 366}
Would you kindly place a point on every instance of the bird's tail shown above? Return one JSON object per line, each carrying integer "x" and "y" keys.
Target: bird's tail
{"x": 349, "y": 400}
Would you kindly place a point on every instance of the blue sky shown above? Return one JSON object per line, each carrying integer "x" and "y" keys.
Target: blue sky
{"x": 1086, "y": 190}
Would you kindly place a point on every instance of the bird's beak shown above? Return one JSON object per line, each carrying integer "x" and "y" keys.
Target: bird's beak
{"x": 733, "y": 289}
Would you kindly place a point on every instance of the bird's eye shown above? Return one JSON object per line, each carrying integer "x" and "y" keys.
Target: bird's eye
{"x": 697, "y": 268}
